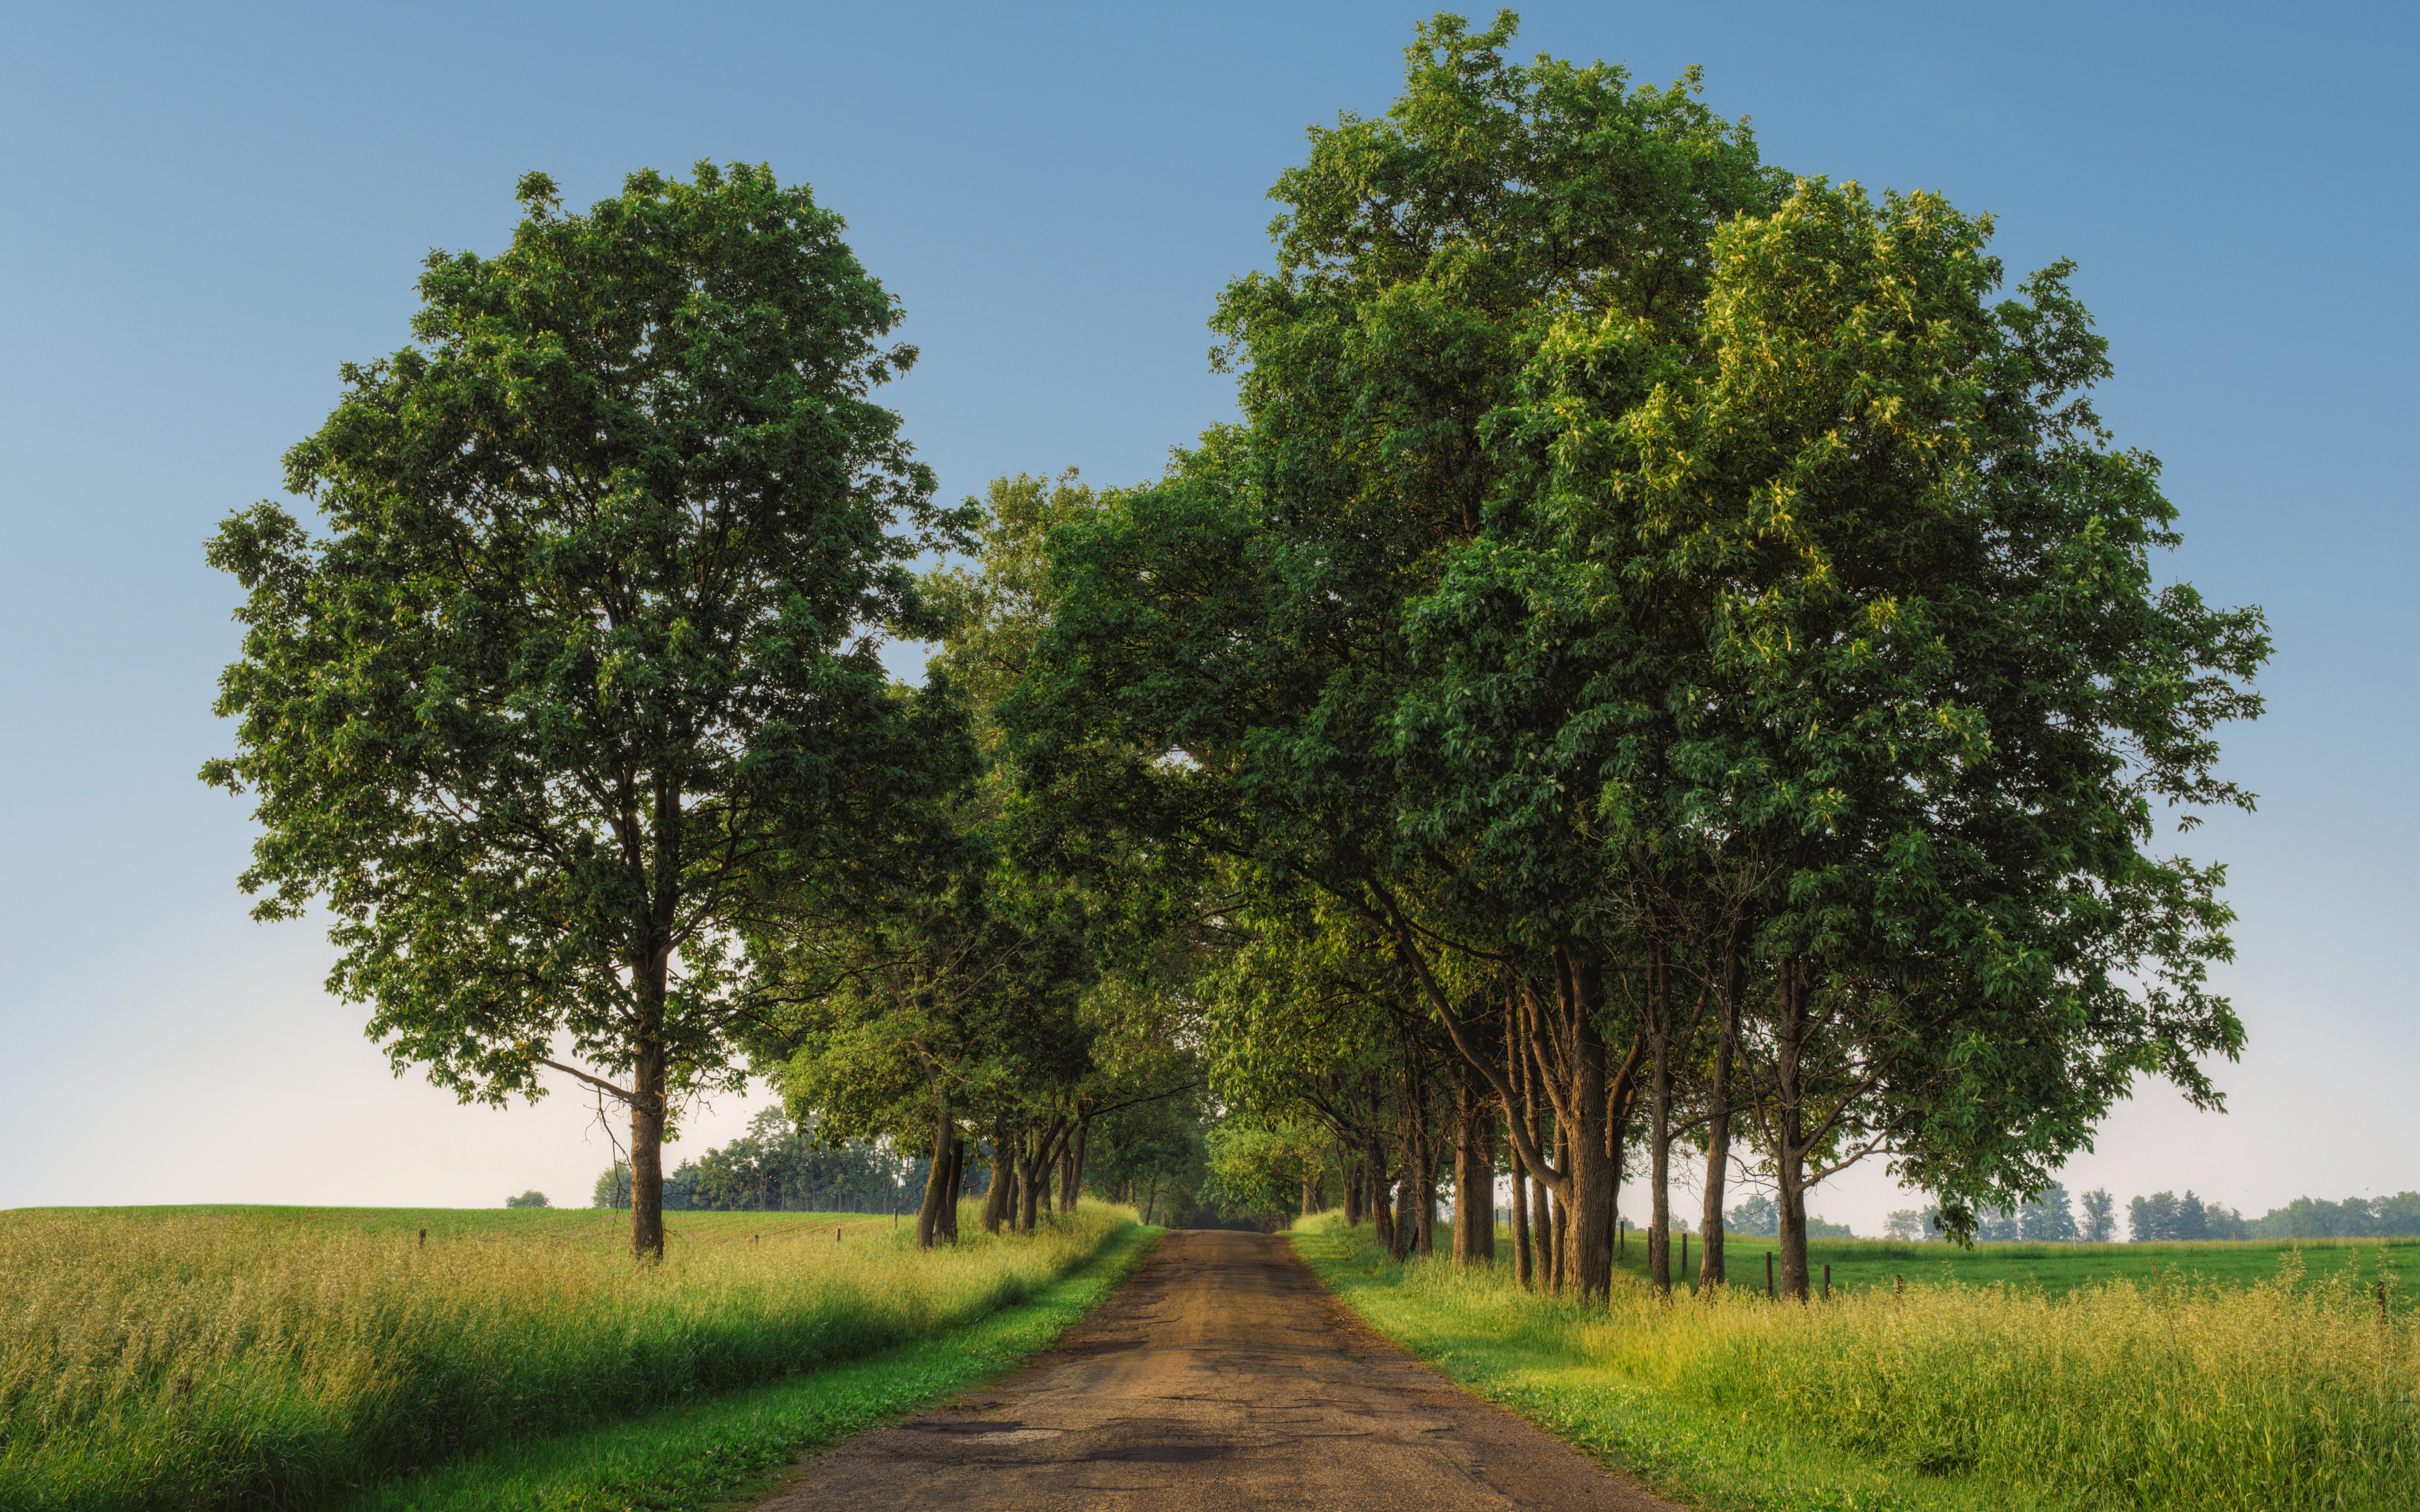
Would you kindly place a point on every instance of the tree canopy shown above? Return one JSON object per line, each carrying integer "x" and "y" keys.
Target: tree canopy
{"x": 1668, "y": 664}
{"x": 583, "y": 676}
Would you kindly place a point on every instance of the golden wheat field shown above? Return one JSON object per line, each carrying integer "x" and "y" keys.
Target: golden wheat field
{"x": 267, "y": 1357}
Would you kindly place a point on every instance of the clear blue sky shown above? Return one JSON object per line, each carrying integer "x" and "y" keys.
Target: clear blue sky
{"x": 213, "y": 208}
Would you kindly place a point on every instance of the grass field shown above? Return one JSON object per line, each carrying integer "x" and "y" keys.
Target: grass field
{"x": 2282, "y": 1392}
{"x": 201, "y": 1358}
{"x": 582, "y": 1227}
{"x": 719, "y": 1451}
{"x": 2057, "y": 1269}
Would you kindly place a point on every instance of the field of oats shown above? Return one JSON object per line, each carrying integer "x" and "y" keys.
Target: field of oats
{"x": 2166, "y": 1389}
{"x": 267, "y": 1357}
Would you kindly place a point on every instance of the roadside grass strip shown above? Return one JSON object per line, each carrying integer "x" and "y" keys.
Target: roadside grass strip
{"x": 729, "y": 1450}
{"x": 2287, "y": 1393}
{"x": 274, "y": 1359}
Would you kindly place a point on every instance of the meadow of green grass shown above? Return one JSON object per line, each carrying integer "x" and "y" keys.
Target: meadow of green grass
{"x": 205, "y": 1358}
{"x": 2054, "y": 1268}
{"x": 2286, "y": 1391}
{"x": 719, "y": 1451}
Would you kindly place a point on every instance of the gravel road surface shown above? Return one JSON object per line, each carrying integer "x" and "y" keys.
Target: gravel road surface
{"x": 1223, "y": 1376}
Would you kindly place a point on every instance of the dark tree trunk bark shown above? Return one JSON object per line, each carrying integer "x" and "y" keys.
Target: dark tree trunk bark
{"x": 1559, "y": 1211}
{"x": 1405, "y": 1195}
{"x": 1474, "y": 1172}
{"x": 1525, "y": 1272}
{"x": 1033, "y": 1194}
{"x": 1407, "y": 1177}
{"x": 1353, "y": 1207}
{"x": 1659, "y": 1124}
{"x": 956, "y": 1191}
{"x": 936, "y": 1178}
{"x": 1012, "y": 1213}
{"x": 1523, "y": 1268}
{"x": 1550, "y": 1235}
{"x": 1789, "y": 1143}
{"x": 1382, "y": 1211}
{"x": 999, "y": 1202}
{"x": 1591, "y": 1101}
{"x": 1719, "y": 1125}
{"x": 647, "y": 1155}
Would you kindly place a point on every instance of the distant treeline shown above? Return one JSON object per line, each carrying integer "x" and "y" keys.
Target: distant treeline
{"x": 776, "y": 1166}
{"x": 2165, "y": 1217}
{"x": 2353, "y": 1218}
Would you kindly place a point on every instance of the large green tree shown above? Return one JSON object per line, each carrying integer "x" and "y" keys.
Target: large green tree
{"x": 1250, "y": 611}
{"x": 581, "y": 678}
{"x": 1843, "y": 614}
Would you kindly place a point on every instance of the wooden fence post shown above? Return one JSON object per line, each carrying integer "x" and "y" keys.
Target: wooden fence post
{"x": 1770, "y": 1295}
{"x": 1827, "y": 1281}
{"x": 1685, "y": 1259}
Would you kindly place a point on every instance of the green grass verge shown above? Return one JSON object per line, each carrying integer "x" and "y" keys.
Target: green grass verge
{"x": 2173, "y": 1384}
{"x": 224, "y": 1359}
{"x": 723, "y": 1449}
{"x": 1687, "y": 1450}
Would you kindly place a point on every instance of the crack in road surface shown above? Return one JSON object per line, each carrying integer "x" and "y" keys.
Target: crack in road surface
{"x": 1223, "y": 1376}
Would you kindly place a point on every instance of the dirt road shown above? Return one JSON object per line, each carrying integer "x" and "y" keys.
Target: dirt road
{"x": 1223, "y": 1376}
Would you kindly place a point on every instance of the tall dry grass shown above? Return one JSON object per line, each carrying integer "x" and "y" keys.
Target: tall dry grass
{"x": 214, "y": 1362}
{"x": 2290, "y": 1392}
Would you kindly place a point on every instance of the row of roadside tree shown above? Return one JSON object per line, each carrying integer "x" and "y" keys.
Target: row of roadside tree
{"x": 1666, "y": 664}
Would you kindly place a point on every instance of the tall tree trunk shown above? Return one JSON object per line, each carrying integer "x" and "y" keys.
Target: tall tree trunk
{"x": 1382, "y": 1211}
{"x": 1539, "y": 1239}
{"x": 1659, "y": 1123}
{"x": 1791, "y": 1029}
{"x": 1560, "y": 1210}
{"x": 1590, "y": 1099}
{"x": 1041, "y": 1156}
{"x": 1407, "y": 1212}
{"x": 1718, "y": 1126}
{"x": 1524, "y": 1262}
{"x": 1407, "y": 1176}
{"x": 1012, "y": 1205}
{"x": 1353, "y": 1207}
{"x": 936, "y": 1178}
{"x": 956, "y": 1191}
{"x": 647, "y": 1155}
{"x": 1474, "y": 1171}
{"x": 999, "y": 1202}
{"x": 1596, "y": 1167}
{"x": 1074, "y": 1188}
{"x": 1524, "y": 1269}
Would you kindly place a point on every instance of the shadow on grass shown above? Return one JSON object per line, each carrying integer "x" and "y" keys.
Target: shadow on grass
{"x": 732, "y": 1449}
